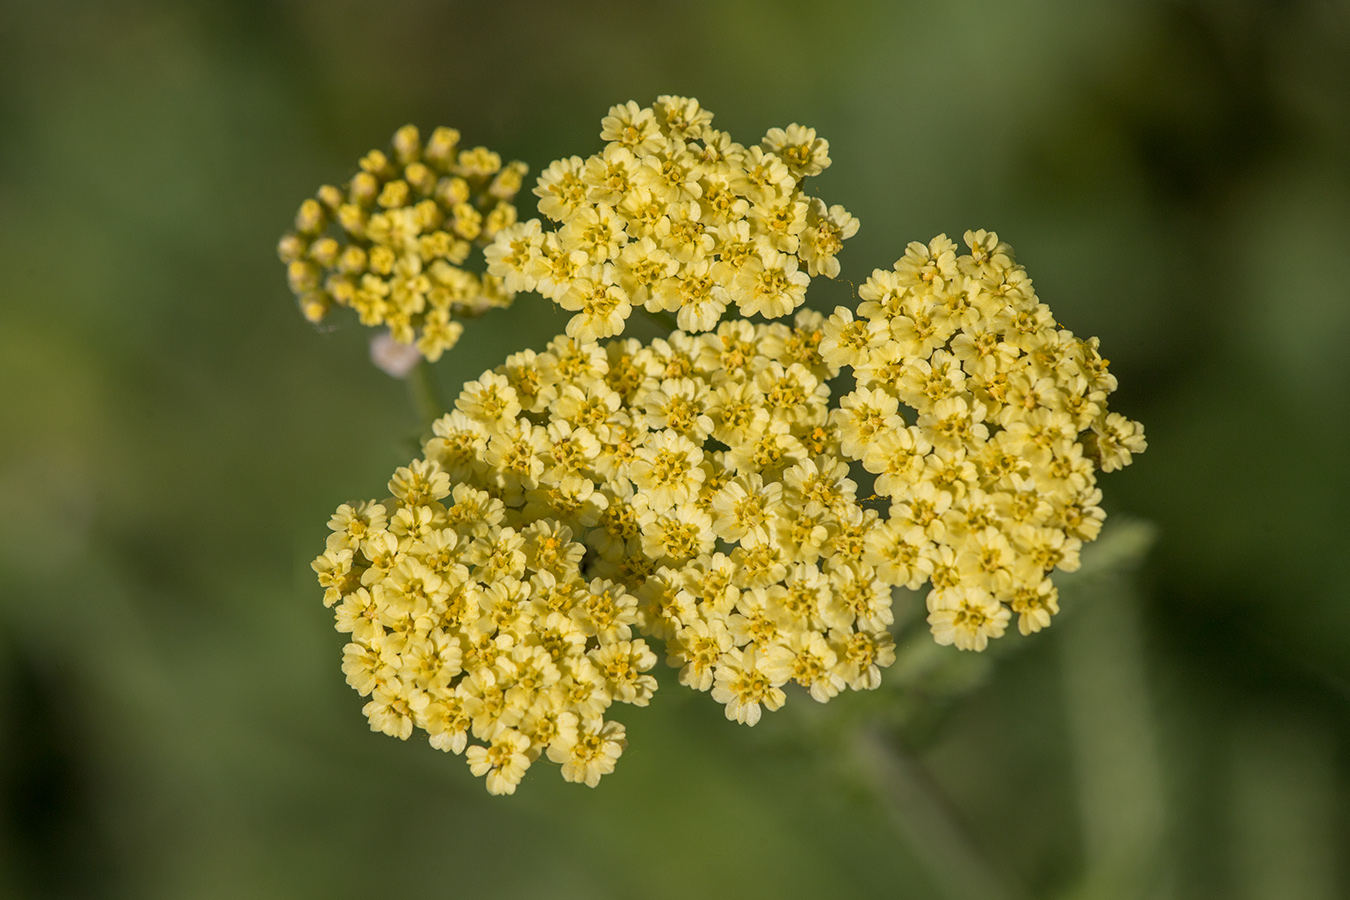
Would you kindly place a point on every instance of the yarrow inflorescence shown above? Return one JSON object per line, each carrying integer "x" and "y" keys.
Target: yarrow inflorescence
{"x": 674, "y": 216}
{"x": 393, "y": 243}
{"x": 992, "y": 478}
{"x": 706, "y": 494}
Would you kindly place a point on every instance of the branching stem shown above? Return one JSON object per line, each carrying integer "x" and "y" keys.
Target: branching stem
{"x": 425, "y": 394}
{"x": 926, "y": 822}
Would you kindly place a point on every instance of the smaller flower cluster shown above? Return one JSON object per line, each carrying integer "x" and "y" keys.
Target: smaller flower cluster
{"x": 675, "y": 216}
{"x": 464, "y": 626}
{"x": 993, "y": 486}
{"x": 393, "y": 243}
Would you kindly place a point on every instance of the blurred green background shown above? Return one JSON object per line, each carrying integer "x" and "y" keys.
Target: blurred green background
{"x": 173, "y": 436}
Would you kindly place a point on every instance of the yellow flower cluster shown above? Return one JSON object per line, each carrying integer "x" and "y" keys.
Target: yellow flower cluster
{"x": 993, "y": 482}
{"x": 702, "y": 473}
{"x": 464, "y": 626}
{"x": 394, "y": 242}
{"x": 691, "y": 488}
{"x": 700, "y": 490}
{"x": 674, "y": 216}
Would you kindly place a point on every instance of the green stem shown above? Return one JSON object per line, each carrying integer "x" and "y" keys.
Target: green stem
{"x": 925, "y": 820}
{"x": 426, "y": 396}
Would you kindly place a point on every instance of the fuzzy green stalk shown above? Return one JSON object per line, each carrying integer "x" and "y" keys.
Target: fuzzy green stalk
{"x": 425, "y": 394}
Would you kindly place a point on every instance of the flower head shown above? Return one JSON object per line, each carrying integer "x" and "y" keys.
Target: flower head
{"x": 674, "y": 216}
{"x": 994, "y": 486}
{"x": 394, "y": 241}
{"x": 702, "y": 490}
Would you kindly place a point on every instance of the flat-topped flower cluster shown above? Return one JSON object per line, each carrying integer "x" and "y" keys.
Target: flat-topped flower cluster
{"x": 588, "y": 504}
{"x": 992, "y": 474}
{"x": 704, "y": 494}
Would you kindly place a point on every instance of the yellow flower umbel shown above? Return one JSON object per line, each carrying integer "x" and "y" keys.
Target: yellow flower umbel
{"x": 691, "y": 489}
{"x": 699, "y": 490}
{"x": 393, "y": 242}
{"x": 674, "y": 216}
{"x": 992, "y": 482}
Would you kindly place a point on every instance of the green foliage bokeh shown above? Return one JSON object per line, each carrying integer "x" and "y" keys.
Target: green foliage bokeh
{"x": 173, "y": 435}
